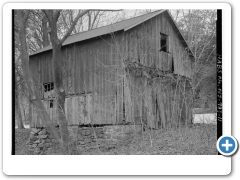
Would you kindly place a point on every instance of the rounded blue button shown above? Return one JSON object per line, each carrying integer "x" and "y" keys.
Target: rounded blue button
{"x": 227, "y": 145}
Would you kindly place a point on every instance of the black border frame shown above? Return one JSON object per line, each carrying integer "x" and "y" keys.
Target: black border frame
{"x": 219, "y": 74}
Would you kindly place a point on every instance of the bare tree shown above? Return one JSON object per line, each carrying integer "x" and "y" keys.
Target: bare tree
{"x": 199, "y": 29}
{"x": 17, "y": 106}
{"x": 22, "y": 17}
{"x": 52, "y": 16}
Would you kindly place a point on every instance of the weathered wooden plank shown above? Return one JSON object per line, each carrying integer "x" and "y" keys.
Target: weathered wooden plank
{"x": 80, "y": 69}
{"x": 160, "y": 102}
{"x": 97, "y": 106}
{"x": 77, "y": 108}
{"x": 51, "y": 113}
{"x": 64, "y": 70}
{"x": 154, "y": 104}
{"x": 43, "y": 68}
{"x": 151, "y": 39}
{"x": 74, "y": 110}
{"x": 145, "y": 45}
{"x": 168, "y": 94}
{"x": 77, "y": 69}
{"x": 49, "y": 66}
{"x": 81, "y": 101}
{"x": 131, "y": 58}
{"x": 84, "y": 75}
{"x": 109, "y": 84}
{"x": 92, "y": 83}
{"x": 90, "y": 69}
{"x": 149, "y": 60}
{"x": 138, "y": 95}
{"x": 73, "y": 59}
{"x": 88, "y": 108}
{"x": 112, "y": 84}
{"x": 87, "y": 66}
{"x": 176, "y": 104}
{"x": 134, "y": 39}
{"x": 164, "y": 23}
{"x": 105, "y": 82}
{"x": 65, "y": 109}
{"x": 114, "y": 79}
{"x": 69, "y": 110}
{"x": 71, "y": 68}
{"x": 98, "y": 84}
{"x": 67, "y": 70}
{"x": 69, "y": 60}
{"x": 38, "y": 75}
{"x": 55, "y": 119}
{"x": 148, "y": 106}
{"x": 103, "y": 120}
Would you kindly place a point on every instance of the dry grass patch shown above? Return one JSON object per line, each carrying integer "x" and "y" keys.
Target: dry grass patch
{"x": 196, "y": 140}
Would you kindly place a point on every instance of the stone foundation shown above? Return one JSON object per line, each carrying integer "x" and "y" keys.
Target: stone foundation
{"x": 86, "y": 138}
{"x": 40, "y": 140}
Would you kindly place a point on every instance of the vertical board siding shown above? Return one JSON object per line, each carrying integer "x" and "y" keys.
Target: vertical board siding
{"x": 100, "y": 91}
{"x": 64, "y": 69}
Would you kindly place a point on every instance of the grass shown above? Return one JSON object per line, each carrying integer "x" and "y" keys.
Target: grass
{"x": 196, "y": 140}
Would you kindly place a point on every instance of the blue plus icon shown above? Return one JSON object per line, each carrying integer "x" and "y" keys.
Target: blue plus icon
{"x": 227, "y": 145}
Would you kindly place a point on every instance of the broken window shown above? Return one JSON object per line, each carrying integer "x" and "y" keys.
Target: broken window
{"x": 48, "y": 89}
{"x": 164, "y": 42}
{"x": 48, "y": 86}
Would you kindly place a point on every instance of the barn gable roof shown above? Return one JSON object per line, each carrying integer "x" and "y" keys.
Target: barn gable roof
{"x": 122, "y": 25}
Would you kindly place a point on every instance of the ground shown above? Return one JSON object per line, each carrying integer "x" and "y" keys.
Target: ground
{"x": 200, "y": 139}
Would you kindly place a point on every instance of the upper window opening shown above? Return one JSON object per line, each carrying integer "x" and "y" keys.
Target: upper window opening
{"x": 48, "y": 86}
{"x": 164, "y": 42}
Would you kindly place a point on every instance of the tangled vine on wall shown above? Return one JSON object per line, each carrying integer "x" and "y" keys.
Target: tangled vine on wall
{"x": 139, "y": 70}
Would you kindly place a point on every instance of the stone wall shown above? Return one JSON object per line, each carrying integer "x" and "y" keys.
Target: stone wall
{"x": 85, "y": 138}
{"x": 40, "y": 140}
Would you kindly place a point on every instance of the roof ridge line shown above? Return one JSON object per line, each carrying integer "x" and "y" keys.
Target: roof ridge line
{"x": 116, "y": 22}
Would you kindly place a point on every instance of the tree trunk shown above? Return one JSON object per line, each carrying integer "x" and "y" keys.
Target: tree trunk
{"x": 18, "y": 114}
{"x": 45, "y": 31}
{"x": 60, "y": 94}
{"x": 24, "y": 114}
{"x": 30, "y": 112}
{"x": 57, "y": 70}
{"x": 33, "y": 92}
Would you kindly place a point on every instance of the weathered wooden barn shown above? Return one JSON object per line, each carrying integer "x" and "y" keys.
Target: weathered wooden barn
{"x": 135, "y": 71}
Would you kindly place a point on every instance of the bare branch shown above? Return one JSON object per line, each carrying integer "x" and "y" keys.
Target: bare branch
{"x": 49, "y": 15}
{"x": 26, "y": 14}
{"x": 73, "y": 24}
{"x": 106, "y": 9}
{"x": 81, "y": 15}
{"x": 57, "y": 14}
